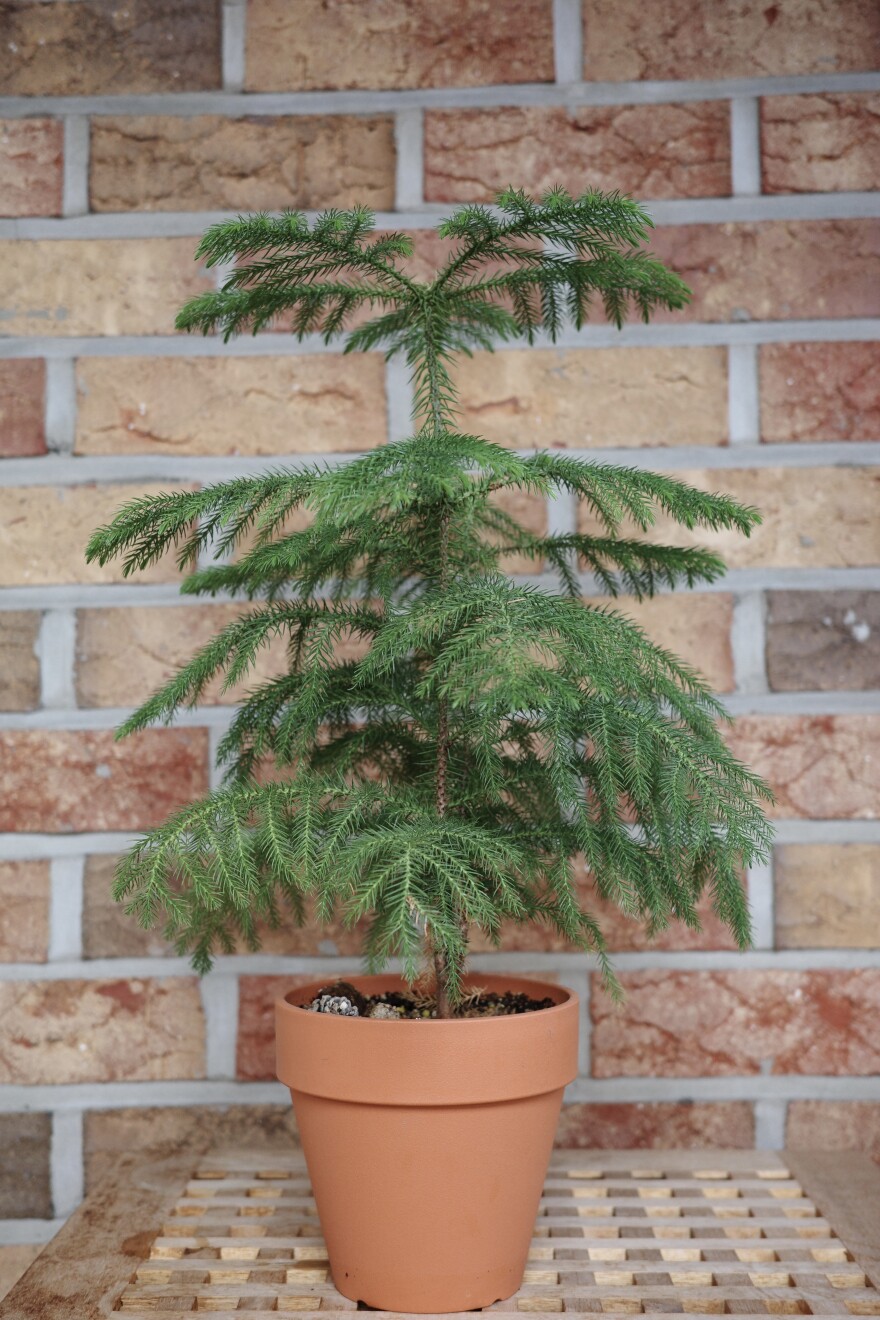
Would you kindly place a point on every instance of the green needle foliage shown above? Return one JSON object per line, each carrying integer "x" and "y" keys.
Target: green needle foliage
{"x": 487, "y": 732}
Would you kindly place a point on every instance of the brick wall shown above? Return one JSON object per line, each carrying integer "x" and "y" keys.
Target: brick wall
{"x": 754, "y": 133}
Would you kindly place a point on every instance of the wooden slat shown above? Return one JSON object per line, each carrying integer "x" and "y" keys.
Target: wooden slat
{"x": 845, "y": 1185}
{"x": 618, "y": 1233}
{"x": 80, "y": 1274}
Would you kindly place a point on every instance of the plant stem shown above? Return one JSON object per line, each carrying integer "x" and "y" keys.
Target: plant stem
{"x": 441, "y": 974}
{"x": 441, "y": 968}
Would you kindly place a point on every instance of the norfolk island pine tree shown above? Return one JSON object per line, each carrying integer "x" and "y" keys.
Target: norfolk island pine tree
{"x": 493, "y": 730}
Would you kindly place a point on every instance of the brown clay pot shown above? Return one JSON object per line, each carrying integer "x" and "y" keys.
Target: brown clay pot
{"x": 427, "y": 1142}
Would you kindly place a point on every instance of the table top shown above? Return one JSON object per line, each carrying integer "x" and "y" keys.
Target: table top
{"x": 626, "y": 1232}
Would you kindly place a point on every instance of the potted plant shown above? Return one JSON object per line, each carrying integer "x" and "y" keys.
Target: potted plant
{"x": 488, "y": 731}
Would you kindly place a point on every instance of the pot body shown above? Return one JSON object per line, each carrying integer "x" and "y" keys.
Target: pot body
{"x": 427, "y": 1142}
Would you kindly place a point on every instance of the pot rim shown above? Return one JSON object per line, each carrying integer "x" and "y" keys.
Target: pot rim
{"x": 292, "y": 1000}
{"x": 455, "y": 1061}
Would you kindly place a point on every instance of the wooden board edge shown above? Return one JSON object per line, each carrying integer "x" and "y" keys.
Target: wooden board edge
{"x": 81, "y": 1272}
{"x": 845, "y": 1187}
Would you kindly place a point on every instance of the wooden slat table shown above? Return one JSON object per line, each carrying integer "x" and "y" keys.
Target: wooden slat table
{"x": 686, "y": 1232}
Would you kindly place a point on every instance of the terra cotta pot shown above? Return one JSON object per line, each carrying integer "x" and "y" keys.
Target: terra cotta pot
{"x": 427, "y": 1141}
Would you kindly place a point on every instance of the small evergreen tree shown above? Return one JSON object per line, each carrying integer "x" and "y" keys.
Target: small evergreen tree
{"x": 492, "y": 731}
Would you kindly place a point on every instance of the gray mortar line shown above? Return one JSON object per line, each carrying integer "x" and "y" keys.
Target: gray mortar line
{"x": 67, "y": 469}
{"x": 568, "y": 38}
{"x": 745, "y": 146}
{"x": 130, "y": 225}
{"x": 102, "y": 1096}
{"x": 81, "y": 596}
{"x": 689, "y": 334}
{"x": 232, "y": 104}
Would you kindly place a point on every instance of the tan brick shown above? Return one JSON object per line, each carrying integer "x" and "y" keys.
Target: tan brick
{"x": 24, "y": 911}
{"x": 255, "y": 1060}
{"x": 19, "y": 665}
{"x": 102, "y": 1031}
{"x": 30, "y": 166}
{"x": 78, "y": 781}
{"x": 833, "y": 1125}
{"x": 109, "y": 932}
{"x": 202, "y": 163}
{"x": 44, "y": 531}
{"x": 531, "y": 512}
{"x": 725, "y": 1024}
{"x": 52, "y": 48}
{"x": 649, "y": 151}
{"x": 821, "y": 766}
{"x": 822, "y": 641}
{"x": 594, "y": 398}
{"x": 13, "y": 1263}
{"x": 110, "y": 1134}
{"x": 818, "y": 392}
{"x": 22, "y": 389}
{"x": 693, "y": 626}
{"x": 820, "y": 143}
{"x": 394, "y": 43}
{"x": 625, "y": 40}
{"x": 122, "y": 654}
{"x": 25, "y": 1191}
{"x": 775, "y": 271}
{"x": 827, "y": 896}
{"x": 260, "y": 405}
{"x": 105, "y": 286}
{"x": 656, "y": 1126}
{"x": 107, "y": 929}
{"x": 812, "y": 517}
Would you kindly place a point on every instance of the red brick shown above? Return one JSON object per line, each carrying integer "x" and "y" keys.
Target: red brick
{"x": 255, "y": 1058}
{"x": 650, "y": 151}
{"x": 656, "y": 1126}
{"x": 625, "y": 40}
{"x": 24, "y": 911}
{"x": 51, "y": 47}
{"x": 834, "y": 1125}
{"x": 30, "y": 166}
{"x": 775, "y": 271}
{"x": 22, "y": 388}
{"x": 62, "y": 782}
{"x": 820, "y": 143}
{"x": 395, "y": 43}
{"x": 623, "y": 934}
{"x": 821, "y": 766}
{"x": 101, "y": 1031}
{"x": 818, "y": 392}
{"x": 725, "y": 1024}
